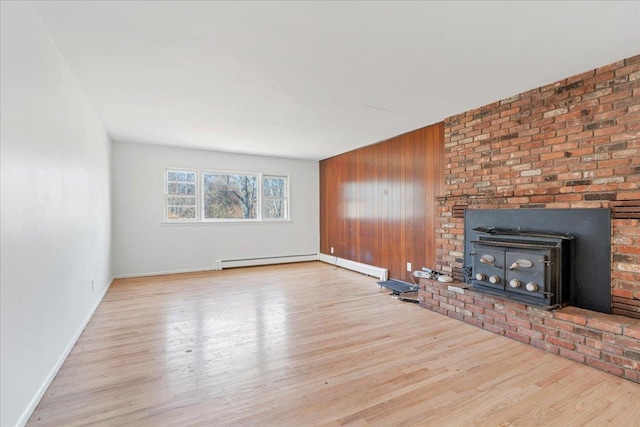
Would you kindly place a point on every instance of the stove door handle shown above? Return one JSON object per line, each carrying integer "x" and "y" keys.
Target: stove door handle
{"x": 486, "y": 261}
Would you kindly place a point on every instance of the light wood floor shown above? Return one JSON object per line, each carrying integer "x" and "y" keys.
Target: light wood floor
{"x": 310, "y": 345}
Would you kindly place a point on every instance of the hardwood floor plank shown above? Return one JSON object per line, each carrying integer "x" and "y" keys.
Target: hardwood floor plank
{"x": 309, "y": 344}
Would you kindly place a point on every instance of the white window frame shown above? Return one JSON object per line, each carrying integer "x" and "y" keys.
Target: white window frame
{"x": 258, "y": 176}
{"x": 200, "y": 205}
{"x": 287, "y": 200}
{"x": 167, "y": 195}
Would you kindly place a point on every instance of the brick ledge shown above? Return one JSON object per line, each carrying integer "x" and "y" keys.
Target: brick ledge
{"x": 607, "y": 342}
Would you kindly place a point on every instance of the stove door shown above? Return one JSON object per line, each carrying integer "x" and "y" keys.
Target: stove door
{"x": 488, "y": 267}
{"x": 527, "y": 273}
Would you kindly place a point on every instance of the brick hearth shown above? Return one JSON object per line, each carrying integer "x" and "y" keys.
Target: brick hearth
{"x": 606, "y": 342}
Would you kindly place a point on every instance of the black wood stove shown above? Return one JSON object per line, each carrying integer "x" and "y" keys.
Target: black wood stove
{"x": 531, "y": 267}
{"x": 575, "y": 245}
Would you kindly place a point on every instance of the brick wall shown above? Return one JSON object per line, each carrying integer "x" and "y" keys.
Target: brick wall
{"x": 605, "y": 342}
{"x": 571, "y": 144}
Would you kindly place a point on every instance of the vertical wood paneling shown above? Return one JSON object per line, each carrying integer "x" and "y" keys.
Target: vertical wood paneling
{"x": 395, "y": 242}
{"x": 419, "y": 197}
{"x": 323, "y": 202}
{"x": 377, "y": 203}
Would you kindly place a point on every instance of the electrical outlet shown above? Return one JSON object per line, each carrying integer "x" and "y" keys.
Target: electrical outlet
{"x": 409, "y": 266}
{"x": 331, "y": 249}
{"x": 422, "y": 274}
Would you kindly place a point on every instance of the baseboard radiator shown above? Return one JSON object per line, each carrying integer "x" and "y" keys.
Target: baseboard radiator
{"x": 370, "y": 270}
{"x": 221, "y": 264}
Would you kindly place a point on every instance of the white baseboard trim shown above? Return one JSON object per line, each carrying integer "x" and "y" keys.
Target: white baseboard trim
{"x": 370, "y": 270}
{"x": 54, "y": 371}
{"x": 251, "y": 262}
{"x": 164, "y": 273}
{"x": 230, "y": 263}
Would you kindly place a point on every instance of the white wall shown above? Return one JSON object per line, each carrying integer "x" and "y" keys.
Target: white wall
{"x": 143, "y": 244}
{"x": 55, "y": 210}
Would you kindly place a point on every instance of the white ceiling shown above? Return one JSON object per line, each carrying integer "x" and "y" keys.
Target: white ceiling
{"x": 315, "y": 79}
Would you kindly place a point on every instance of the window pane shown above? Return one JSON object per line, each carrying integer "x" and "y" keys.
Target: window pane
{"x": 275, "y": 209}
{"x": 230, "y": 196}
{"x": 179, "y": 212}
{"x": 274, "y": 201}
{"x": 181, "y": 201}
{"x": 274, "y": 186}
{"x": 179, "y": 188}
{"x": 181, "y": 176}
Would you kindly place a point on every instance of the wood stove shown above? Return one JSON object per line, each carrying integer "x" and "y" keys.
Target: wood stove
{"x": 586, "y": 258}
{"x": 534, "y": 268}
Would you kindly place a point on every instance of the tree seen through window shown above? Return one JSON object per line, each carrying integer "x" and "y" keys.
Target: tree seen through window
{"x": 230, "y": 196}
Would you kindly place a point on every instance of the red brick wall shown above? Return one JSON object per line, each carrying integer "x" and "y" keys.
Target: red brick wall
{"x": 571, "y": 144}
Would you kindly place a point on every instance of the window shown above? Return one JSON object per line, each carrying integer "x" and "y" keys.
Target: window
{"x": 181, "y": 195}
{"x": 225, "y": 196}
{"x": 229, "y": 196}
{"x": 274, "y": 197}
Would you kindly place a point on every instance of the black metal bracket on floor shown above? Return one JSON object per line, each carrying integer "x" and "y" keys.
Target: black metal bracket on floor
{"x": 399, "y": 288}
{"x": 403, "y": 299}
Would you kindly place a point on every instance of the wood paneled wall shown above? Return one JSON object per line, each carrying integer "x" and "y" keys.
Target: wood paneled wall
{"x": 377, "y": 203}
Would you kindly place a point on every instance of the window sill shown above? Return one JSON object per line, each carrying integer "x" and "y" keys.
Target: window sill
{"x": 228, "y": 222}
